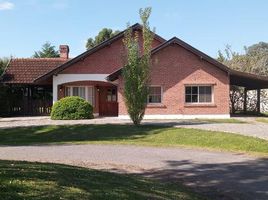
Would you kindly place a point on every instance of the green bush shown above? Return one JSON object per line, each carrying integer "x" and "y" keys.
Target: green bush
{"x": 72, "y": 108}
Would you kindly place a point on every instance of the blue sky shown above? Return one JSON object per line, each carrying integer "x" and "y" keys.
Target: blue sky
{"x": 207, "y": 25}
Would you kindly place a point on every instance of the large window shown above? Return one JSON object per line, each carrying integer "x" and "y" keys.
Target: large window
{"x": 86, "y": 93}
{"x": 155, "y": 94}
{"x": 198, "y": 94}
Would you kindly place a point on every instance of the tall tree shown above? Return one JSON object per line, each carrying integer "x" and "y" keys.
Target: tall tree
{"x": 136, "y": 71}
{"x": 104, "y": 34}
{"x": 47, "y": 51}
{"x": 3, "y": 64}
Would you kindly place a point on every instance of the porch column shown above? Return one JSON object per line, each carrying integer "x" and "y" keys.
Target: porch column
{"x": 245, "y": 99}
{"x": 259, "y": 100}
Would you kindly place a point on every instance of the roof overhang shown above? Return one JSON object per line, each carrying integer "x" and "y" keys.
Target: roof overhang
{"x": 247, "y": 80}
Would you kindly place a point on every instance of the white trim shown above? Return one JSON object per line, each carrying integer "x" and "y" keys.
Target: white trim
{"x": 67, "y": 78}
{"x": 205, "y": 116}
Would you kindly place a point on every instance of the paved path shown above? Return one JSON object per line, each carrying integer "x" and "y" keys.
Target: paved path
{"x": 252, "y": 128}
{"x": 216, "y": 174}
{"x": 259, "y": 130}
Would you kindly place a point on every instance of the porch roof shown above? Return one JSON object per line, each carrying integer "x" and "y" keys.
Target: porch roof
{"x": 26, "y": 70}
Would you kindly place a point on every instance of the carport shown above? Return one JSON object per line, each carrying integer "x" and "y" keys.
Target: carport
{"x": 249, "y": 82}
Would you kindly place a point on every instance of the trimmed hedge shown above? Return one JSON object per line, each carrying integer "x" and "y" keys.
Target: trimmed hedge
{"x": 72, "y": 108}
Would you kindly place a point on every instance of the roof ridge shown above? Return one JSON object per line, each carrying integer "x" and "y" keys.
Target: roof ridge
{"x": 35, "y": 59}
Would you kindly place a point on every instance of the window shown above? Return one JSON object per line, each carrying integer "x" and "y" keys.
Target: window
{"x": 111, "y": 95}
{"x": 155, "y": 94}
{"x": 198, "y": 94}
{"x": 79, "y": 91}
{"x": 86, "y": 93}
{"x": 90, "y": 95}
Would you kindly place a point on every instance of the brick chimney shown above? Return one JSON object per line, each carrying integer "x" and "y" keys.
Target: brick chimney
{"x": 64, "y": 51}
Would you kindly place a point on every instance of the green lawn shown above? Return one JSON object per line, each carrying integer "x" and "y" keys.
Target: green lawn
{"x": 262, "y": 119}
{"x": 36, "y": 181}
{"x": 129, "y": 134}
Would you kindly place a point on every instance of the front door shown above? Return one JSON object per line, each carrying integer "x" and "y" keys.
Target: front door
{"x": 108, "y": 105}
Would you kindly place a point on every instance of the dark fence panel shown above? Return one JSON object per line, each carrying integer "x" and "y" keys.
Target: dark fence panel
{"x": 25, "y": 100}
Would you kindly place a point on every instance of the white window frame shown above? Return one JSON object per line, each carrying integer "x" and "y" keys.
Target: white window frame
{"x": 86, "y": 92}
{"x": 198, "y": 101}
{"x": 161, "y": 95}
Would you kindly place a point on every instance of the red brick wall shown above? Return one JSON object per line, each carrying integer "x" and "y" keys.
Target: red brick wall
{"x": 104, "y": 61}
{"x": 173, "y": 67}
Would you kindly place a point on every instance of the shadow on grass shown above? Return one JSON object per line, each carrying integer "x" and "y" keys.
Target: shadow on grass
{"x": 25, "y": 180}
{"x": 220, "y": 181}
{"x": 75, "y": 133}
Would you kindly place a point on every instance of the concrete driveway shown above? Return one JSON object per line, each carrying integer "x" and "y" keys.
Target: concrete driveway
{"x": 216, "y": 174}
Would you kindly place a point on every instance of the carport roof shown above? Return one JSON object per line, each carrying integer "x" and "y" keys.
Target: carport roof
{"x": 248, "y": 80}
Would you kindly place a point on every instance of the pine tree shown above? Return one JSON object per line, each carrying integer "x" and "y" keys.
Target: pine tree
{"x": 48, "y": 51}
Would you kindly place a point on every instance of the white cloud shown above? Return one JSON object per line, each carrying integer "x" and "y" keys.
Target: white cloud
{"x": 6, "y": 5}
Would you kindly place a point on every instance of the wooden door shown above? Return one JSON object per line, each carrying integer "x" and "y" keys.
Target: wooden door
{"x": 108, "y": 105}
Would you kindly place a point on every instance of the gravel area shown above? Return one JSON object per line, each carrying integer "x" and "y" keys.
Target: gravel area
{"x": 219, "y": 175}
{"x": 252, "y": 128}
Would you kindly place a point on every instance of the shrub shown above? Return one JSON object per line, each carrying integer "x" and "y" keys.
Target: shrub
{"x": 72, "y": 108}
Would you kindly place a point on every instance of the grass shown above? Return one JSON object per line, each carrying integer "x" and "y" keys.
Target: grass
{"x": 129, "y": 134}
{"x": 37, "y": 181}
{"x": 262, "y": 119}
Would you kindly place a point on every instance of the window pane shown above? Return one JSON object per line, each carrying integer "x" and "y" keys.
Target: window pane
{"x": 202, "y": 98}
{"x": 155, "y": 90}
{"x": 75, "y": 91}
{"x": 208, "y": 90}
{"x": 188, "y": 90}
{"x": 91, "y": 95}
{"x": 194, "y": 98}
{"x": 154, "y": 95}
{"x": 154, "y": 99}
{"x": 188, "y": 99}
{"x": 67, "y": 91}
{"x": 205, "y": 94}
{"x": 82, "y": 92}
{"x": 195, "y": 90}
{"x": 202, "y": 90}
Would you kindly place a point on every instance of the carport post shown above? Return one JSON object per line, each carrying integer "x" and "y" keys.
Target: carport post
{"x": 259, "y": 100}
{"x": 245, "y": 99}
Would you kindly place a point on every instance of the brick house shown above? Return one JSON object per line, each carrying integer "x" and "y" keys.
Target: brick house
{"x": 185, "y": 82}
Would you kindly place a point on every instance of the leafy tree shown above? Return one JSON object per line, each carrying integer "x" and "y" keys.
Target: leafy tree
{"x": 47, "y": 51}
{"x": 259, "y": 48}
{"x": 136, "y": 70}
{"x": 104, "y": 34}
{"x": 3, "y": 64}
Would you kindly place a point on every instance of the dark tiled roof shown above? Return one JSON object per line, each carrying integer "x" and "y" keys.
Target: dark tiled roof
{"x": 26, "y": 70}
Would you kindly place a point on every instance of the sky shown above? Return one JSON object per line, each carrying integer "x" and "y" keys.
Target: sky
{"x": 208, "y": 25}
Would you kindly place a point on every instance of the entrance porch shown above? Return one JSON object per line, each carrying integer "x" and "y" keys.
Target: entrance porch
{"x": 101, "y": 95}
